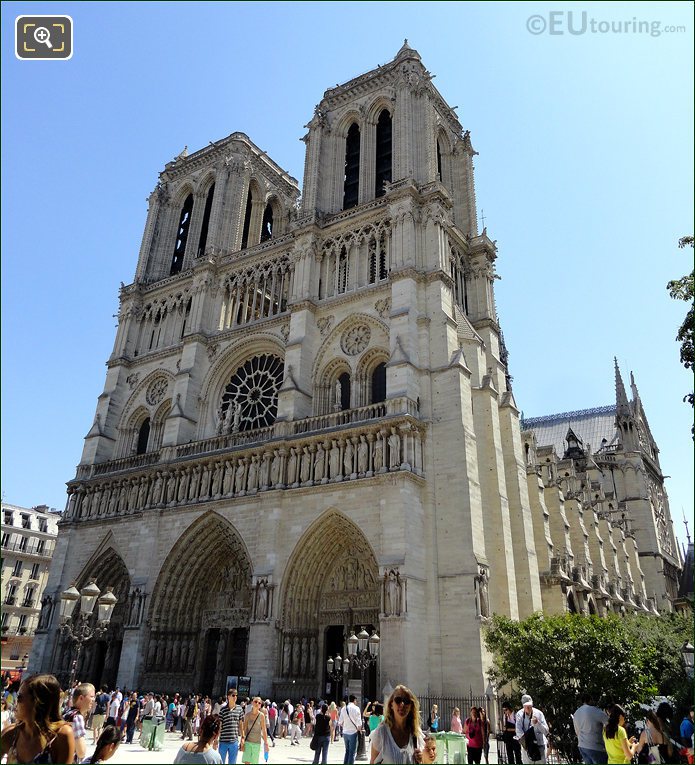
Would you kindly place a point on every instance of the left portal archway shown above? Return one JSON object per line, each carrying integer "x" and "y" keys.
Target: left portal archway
{"x": 199, "y": 612}
{"x": 99, "y": 659}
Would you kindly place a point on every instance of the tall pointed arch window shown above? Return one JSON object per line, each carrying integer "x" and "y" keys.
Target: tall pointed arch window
{"x": 379, "y": 384}
{"x": 143, "y": 437}
{"x": 383, "y": 153}
{"x": 351, "y": 188}
{"x": 439, "y": 159}
{"x": 202, "y": 241}
{"x": 267, "y": 226}
{"x": 182, "y": 236}
{"x": 247, "y": 220}
{"x": 344, "y": 382}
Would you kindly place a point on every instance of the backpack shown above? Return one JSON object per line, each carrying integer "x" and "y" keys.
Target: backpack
{"x": 100, "y": 708}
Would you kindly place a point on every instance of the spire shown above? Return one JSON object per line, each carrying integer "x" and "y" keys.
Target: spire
{"x": 407, "y": 52}
{"x": 621, "y": 403}
{"x": 633, "y": 388}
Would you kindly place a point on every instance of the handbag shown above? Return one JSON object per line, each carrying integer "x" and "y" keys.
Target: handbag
{"x": 312, "y": 743}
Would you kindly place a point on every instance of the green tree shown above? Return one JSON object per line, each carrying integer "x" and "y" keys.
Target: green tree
{"x": 684, "y": 289}
{"x": 557, "y": 658}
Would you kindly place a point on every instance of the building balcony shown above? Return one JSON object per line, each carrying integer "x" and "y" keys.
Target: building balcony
{"x": 351, "y": 445}
{"x": 29, "y": 550}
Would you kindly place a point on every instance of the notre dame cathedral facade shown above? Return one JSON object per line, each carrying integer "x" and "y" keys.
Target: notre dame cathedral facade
{"x": 307, "y": 426}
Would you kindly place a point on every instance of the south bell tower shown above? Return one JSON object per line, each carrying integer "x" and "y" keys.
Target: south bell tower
{"x": 306, "y": 415}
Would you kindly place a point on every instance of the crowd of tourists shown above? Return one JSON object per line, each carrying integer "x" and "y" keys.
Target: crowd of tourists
{"x": 42, "y": 724}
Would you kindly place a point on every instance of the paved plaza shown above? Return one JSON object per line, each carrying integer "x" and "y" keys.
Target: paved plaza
{"x": 283, "y": 752}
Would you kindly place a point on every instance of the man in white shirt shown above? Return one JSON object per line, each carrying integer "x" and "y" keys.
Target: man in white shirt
{"x": 588, "y": 725}
{"x": 351, "y": 721}
{"x": 526, "y": 718}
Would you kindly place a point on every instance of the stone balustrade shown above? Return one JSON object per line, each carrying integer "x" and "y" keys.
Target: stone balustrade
{"x": 352, "y": 452}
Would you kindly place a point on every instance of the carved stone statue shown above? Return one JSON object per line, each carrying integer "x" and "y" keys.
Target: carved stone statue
{"x": 182, "y": 494}
{"x": 378, "y": 453}
{"x": 229, "y": 418}
{"x": 171, "y": 487}
{"x": 334, "y": 459}
{"x": 262, "y": 600}
{"x": 217, "y": 480}
{"x": 184, "y": 654}
{"x": 338, "y": 395}
{"x": 394, "y": 450}
{"x": 275, "y": 468}
{"x": 362, "y": 456}
{"x": 286, "y": 648}
{"x": 240, "y": 474}
{"x": 481, "y": 591}
{"x": 45, "y": 616}
{"x": 228, "y": 483}
{"x": 237, "y": 419}
{"x": 156, "y": 496}
{"x": 306, "y": 465}
{"x": 253, "y": 473}
{"x": 205, "y": 483}
{"x": 219, "y": 429}
{"x": 349, "y": 458}
{"x": 292, "y": 467}
{"x": 319, "y": 463}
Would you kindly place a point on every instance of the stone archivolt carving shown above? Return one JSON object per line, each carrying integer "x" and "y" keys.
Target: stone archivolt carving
{"x": 324, "y": 324}
{"x": 226, "y": 618}
{"x": 156, "y": 391}
{"x": 356, "y": 339}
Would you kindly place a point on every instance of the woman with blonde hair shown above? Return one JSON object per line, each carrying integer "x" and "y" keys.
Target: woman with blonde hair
{"x": 40, "y": 734}
{"x": 399, "y": 738}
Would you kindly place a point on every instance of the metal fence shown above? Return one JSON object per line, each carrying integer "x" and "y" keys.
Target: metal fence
{"x": 447, "y": 704}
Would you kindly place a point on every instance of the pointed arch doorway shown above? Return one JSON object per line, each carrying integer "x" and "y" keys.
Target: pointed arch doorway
{"x": 331, "y": 587}
{"x": 199, "y": 613}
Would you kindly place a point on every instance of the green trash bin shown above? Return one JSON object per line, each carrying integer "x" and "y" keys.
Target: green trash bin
{"x": 451, "y": 748}
{"x": 152, "y": 736}
{"x": 146, "y": 733}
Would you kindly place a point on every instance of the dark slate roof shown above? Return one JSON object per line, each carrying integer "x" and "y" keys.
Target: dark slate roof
{"x": 591, "y": 425}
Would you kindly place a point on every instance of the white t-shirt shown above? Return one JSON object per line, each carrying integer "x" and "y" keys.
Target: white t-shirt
{"x": 389, "y": 751}
{"x": 350, "y": 718}
{"x": 113, "y": 708}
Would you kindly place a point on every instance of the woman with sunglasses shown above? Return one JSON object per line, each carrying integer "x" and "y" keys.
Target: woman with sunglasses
{"x": 40, "y": 734}
{"x": 399, "y": 738}
{"x": 254, "y": 730}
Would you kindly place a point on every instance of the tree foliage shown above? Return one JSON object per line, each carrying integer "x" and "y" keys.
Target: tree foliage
{"x": 684, "y": 289}
{"x": 557, "y": 658}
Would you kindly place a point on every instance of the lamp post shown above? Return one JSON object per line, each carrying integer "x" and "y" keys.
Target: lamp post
{"x": 688, "y": 654}
{"x": 363, "y": 651}
{"x": 82, "y": 631}
{"x": 337, "y": 669}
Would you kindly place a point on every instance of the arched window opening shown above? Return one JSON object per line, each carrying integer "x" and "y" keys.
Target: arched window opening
{"x": 383, "y": 153}
{"x": 182, "y": 236}
{"x": 344, "y": 381}
{"x": 206, "y": 222}
{"x": 186, "y": 315}
{"x": 379, "y": 383}
{"x": 571, "y": 605}
{"x": 351, "y": 187}
{"x": 267, "y": 227}
{"x": 143, "y": 437}
{"x": 247, "y": 221}
{"x": 439, "y": 159}
{"x": 342, "y": 271}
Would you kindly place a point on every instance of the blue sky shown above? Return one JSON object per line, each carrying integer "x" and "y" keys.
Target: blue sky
{"x": 584, "y": 174}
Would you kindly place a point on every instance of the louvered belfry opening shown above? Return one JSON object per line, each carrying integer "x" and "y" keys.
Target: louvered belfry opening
{"x": 383, "y": 153}
{"x": 351, "y": 188}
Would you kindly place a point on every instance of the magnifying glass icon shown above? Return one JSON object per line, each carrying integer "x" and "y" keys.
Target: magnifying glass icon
{"x": 43, "y": 36}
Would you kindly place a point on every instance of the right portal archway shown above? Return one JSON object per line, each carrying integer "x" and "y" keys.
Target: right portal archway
{"x": 331, "y": 586}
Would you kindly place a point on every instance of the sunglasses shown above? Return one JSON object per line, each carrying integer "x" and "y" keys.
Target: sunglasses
{"x": 403, "y": 700}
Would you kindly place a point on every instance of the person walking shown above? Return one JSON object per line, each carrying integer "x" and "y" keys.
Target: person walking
{"x": 131, "y": 720}
{"x": 231, "y": 715}
{"x": 433, "y": 719}
{"x": 100, "y": 710}
{"x": 399, "y": 738}
{"x": 473, "y": 729}
{"x": 82, "y": 699}
{"x": 204, "y": 750}
{"x": 532, "y": 727}
{"x": 619, "y": 748}
{"x": 456, "y": 724}
{"x": 351, "y": 722}
{"x": 589, "y": 722}
{"x": 653, "y": 738}
{"x": 254, "y": 731}
{"x": 188, "y": 719}
{"x": 485, "y": 725}
{"x": 511, "y": 742}
{"x": 39, "y": 734}
{"x": 322, "y": 735}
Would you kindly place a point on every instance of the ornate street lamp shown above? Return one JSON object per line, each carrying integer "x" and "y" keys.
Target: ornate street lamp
{"x": 688, "y": 654}
{"x": 82, "y": 631}
{"x": 363, "y": 651}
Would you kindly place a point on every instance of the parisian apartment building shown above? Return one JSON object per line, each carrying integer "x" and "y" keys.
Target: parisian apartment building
{"x": 28, "y": 541}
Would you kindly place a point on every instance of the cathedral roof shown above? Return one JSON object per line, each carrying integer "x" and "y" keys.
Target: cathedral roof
{"x": 590, "y": 425}
{"x": 685, "y": 590}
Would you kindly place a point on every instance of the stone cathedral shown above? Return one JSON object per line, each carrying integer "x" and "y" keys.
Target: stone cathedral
{"x": 307, "y": 427}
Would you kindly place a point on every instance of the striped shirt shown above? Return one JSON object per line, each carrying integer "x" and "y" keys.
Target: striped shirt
{"x": 230, "y": 723}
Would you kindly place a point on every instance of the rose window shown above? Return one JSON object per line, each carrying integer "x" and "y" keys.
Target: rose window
{"x": 356, "y": 339}
{"x": 253, "y": 390}
{"x": 155, "y": 393}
